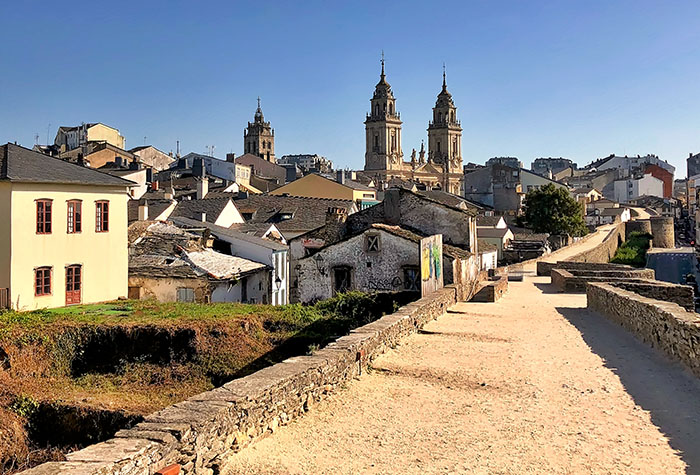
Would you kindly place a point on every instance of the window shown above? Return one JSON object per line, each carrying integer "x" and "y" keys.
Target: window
{"x": 372, "y": 243}
{"x": 43, "y": 216}
{"x": 185, "y": 294}
{"x": 411, "y": 279}
{"x": 342, "y": 279}
{"x": 102, "y": 216}
{"x": 42, "y": 281}
{"x": 75, "y": 224}
{"x": 438, "y": 146}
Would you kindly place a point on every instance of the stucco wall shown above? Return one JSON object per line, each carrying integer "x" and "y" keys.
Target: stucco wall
{"x": 101, "y": 132}
{"x": 664, "y": 325}
{"x": 165, "y": 289}
{"x": 103, "y": 256}
{"x": 202, "y": 432}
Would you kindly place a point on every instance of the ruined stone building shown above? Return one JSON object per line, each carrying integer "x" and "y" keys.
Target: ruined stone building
{"x": 384, "y": 158}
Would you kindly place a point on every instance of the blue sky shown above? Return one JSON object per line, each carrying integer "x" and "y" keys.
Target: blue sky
{"x": 579, "y": 79}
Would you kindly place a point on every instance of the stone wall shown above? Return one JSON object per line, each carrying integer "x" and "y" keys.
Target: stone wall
{"x": 683, "y": 295}
{"x": 495, "y": 288}
{"x": 545, "y": 268}
{"x": 606, "y": 250}
{"x": 202, "y": 432}
{"x": 638, "y": 225}
{"x": 664, "y": 325}
{"x": 567, "y": 281}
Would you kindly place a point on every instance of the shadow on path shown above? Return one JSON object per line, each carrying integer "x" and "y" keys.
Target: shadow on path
{"x": 670, "y": 393}
{"x": 547, "y": 288}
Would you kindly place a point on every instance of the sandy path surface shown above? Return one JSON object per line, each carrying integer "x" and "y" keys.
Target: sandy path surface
{"x": 532, "y": 384}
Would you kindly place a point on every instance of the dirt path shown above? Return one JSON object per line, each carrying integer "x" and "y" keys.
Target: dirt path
{"x": 533, "y": 384}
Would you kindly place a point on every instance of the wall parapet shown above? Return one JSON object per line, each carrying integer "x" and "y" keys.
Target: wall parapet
{"x": 204, "y": 431}
{"x": 664, "y": 325}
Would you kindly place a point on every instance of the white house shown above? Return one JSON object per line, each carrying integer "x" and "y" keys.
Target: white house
{"x": 631, "y": 188}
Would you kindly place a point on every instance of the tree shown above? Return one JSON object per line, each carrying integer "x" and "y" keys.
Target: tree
{"x": 553, "y": 210}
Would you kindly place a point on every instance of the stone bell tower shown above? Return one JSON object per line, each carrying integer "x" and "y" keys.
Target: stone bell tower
{"x": 383, "y": 130}
{"x": 259, "y": 137}
{"x": 445, "y": 139}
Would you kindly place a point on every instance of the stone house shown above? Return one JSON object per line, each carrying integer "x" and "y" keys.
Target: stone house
{"x": 69, "y": 138}
{"x": 172, "y": 265}
{"x": 382, "y": 258}
{"x": 407, "y": 210}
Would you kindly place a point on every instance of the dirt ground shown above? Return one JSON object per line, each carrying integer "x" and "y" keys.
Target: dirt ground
{"x": 532, "y": 384}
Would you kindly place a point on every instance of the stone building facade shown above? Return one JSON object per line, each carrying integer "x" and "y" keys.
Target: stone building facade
{"x": 259, "y": 137}
{"x": 384, "y": 159}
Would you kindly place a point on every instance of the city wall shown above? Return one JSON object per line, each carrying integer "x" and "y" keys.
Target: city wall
{"x": 663, "y": 324}
{"x": 204, "y": 431}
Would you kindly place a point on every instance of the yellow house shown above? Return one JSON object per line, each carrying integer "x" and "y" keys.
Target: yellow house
{"x": 63, "y": 238}
{"x": 318, "y": 186}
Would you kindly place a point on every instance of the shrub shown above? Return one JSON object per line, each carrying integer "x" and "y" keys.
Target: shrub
{"x": 633, "y": 251}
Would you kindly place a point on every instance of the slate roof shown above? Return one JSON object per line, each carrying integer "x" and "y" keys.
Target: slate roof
{"x": 19, "y": 164}
{"x": 306, "y": 213}
{"x": 488, "y": 220}
{"x": 451, "y": 199}
{"x": 155, "y": 208}
{"x": 492, "y": 232}
{"x": 192, "y": 208}
{"x": 612, "y": 211}
{"x": 448, "y": 250}
{"x": 484, "y": 246}
{"x": 230, "y": 233}
{"x": 164, "y": 250}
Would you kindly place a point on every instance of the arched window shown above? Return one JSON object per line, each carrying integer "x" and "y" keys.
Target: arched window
{"x": 439, "y": 117}
{"x": 438, "y": 146}
{"x": 391, "y": 109}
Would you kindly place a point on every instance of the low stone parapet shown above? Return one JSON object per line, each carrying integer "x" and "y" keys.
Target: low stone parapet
{"x": 494, "y": 288}
{"x": 203, "y": 432}
{"x": 576, "y": 280}
{"x": 545, "y": 268}
{"x": 664, "y": 325}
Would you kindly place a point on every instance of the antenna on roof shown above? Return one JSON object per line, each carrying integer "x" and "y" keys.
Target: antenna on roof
{"x": 36, "y": 139}
{"x": 177, "y": 149}
{"x": 144, "y": 139}
{"x": 48, "y": 129}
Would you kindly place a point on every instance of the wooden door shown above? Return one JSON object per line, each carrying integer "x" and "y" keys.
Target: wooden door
{"x": 74, "y": 283}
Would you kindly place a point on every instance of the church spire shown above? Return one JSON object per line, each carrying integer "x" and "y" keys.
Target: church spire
{"x": 444, "y": 77}
{"x": 258, "y": 113}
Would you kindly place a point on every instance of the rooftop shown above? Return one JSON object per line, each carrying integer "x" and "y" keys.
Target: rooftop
{"x": 19, "y": 164}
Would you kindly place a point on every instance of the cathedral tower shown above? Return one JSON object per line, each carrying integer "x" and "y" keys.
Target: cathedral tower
{"x": 259, "y": 137}
{"x": 445, "y": 139}
{"x": 383, "y": 130}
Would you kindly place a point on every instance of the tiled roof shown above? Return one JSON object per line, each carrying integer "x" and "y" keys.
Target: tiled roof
{"x": 192, "y": 208}
{"x": 19, "y": 164}
{"x": 306, "y": 213}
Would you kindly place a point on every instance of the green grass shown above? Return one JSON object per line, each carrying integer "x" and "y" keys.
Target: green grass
{"x": 633, "y": 251}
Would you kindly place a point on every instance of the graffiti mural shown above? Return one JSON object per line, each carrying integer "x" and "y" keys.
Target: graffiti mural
{"x": 431, "y": 264}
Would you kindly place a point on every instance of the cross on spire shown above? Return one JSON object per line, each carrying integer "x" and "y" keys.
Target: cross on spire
{"x": 382, "y": 63}
{"x": 444, "y": 74}
{"x": 258, "y": 102}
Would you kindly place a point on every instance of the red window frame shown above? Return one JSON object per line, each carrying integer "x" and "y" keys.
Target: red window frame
{"x": 43, "y": 281}
{"x": 74, "y": 213}
{"x": 44, "y": 208}
{"x": 101, "y": 216}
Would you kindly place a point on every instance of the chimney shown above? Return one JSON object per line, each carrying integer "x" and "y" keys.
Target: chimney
{"x": 392, "y": 206}
{"x": 230, "y": 157}
{"x": 335, "y": 224}
{"x": 340, "y": 177}
{"x": 118, "y": 161}
{"x": 202, "y": 187}
{"x": 198, "y": 168}
{"x": 181, "y": 163}
{"x": 202, "y": 216}
{"x": 154, "y": 186}
{"x": 143, "y": 210}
